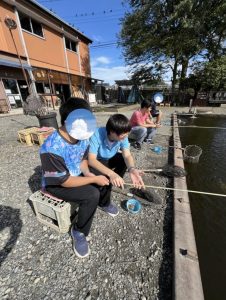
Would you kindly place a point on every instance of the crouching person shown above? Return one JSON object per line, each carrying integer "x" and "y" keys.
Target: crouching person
{"x": 143, "y": 128}
{"x": 109, "y": 154}
{"x": 65, "y": 168}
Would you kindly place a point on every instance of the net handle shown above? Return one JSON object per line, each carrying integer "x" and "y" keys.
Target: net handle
{"x": 180, "y": 190}
{"x": 151, "y": 170}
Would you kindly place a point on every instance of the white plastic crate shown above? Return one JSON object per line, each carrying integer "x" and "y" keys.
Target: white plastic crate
{"x": 54, "y": 212}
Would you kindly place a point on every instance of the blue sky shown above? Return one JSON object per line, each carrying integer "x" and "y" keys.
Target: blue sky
{"x": 100, "y": 21}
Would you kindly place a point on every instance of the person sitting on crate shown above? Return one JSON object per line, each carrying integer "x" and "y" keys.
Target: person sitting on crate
{"x": 105, "y": 158}
{"x": 143, "y": 128}
{"x": 66, "y": 174}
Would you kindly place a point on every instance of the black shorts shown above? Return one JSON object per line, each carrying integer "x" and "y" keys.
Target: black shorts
{"x": 155, "y": 113}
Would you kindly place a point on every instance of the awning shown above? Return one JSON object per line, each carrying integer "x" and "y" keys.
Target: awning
{"x": 15, "y": 64}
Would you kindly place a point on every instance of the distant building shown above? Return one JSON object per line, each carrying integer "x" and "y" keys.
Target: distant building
{"x": 39, "y": 49}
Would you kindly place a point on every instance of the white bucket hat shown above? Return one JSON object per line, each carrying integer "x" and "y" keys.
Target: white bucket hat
{"x": 158, "y": 97}
{"x": 80, "y": 124}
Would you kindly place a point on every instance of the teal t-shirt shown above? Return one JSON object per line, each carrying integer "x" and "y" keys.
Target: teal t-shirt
{"x": 102, "y": 147}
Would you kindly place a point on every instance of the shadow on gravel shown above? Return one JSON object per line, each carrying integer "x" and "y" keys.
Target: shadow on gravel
{"x": 34, "y": 181}
{"x": 9, "y": 218}
{"x": 166, "y": 269}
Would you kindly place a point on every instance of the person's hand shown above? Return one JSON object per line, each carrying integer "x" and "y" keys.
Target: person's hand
{"x": 101, "y": 180}
{"x": 135, "y": 176}
{"x": 116, "y": 180}
{"x": 158, "y": 125}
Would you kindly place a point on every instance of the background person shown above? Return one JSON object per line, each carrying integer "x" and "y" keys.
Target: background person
{"x": 143, "y": 128}
{"x": 156, "y": 113}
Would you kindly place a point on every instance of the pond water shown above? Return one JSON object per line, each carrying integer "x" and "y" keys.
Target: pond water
{"x": 209, "y": 212}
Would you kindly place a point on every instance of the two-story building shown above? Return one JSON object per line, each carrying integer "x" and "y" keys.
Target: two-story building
{"x": 40, "y": 51}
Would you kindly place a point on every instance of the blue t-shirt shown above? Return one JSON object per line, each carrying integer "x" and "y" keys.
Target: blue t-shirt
{"x": 102, "y": 147}
{"x": 61, "y": 159}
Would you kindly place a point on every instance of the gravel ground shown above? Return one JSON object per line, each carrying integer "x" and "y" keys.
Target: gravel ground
{"x": 131, "y": 255}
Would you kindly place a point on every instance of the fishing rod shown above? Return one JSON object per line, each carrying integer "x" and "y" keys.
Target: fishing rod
{"x": 168, "y": 171}
{"x": 180, "y": 190}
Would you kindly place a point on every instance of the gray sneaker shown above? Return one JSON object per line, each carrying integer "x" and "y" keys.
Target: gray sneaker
{"x": 80, "y": 244}
{"x": 149, "y": 141}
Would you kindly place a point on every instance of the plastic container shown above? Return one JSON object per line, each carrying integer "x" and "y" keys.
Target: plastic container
{"x": 157, "y": 149}
{"x": 133, "y": 206}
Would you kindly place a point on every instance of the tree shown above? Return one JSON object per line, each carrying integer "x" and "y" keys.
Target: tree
{"x": 208, "y": 76}
{"x": 166, "y": 36}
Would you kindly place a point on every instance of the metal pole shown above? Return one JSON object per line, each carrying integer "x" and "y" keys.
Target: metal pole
{"x": 24, "y": 73}
{"x": 50, "y": 86}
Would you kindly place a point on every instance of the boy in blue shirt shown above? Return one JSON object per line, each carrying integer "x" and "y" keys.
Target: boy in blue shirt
{"x": 104, "y": 156}
{"x": 66, "y": 174}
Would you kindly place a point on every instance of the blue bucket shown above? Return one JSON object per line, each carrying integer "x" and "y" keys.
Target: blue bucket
{"x": 157, "y": 149}
{"x": 133, "y": 206}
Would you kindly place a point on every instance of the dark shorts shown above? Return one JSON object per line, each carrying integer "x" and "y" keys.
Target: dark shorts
{"x": 155, "y": 113}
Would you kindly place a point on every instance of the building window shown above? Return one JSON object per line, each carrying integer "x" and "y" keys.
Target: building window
{"x": 30, "y": 25}
{"x": 71, "y": 45}
{"x": 10, "y": 86}
{"x": 39, "y": 87}
{"x": 43, "y": 88}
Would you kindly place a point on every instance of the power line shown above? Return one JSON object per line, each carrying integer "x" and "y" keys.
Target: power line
{"x": 106, "y": 47}
{"x": 93, "y": 14}
{"x": 95, "y": 18}
{"x": 103, "y": 45}
{"x": 100, "y": 20}
{"x": 46, "y": 1}
{"x": 87, "y": 14}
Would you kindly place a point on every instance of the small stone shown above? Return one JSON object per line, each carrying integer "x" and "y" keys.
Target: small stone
{"x": 41, "y": 258}
{"x": 29, "y": 272}
{"x": 8, "y": 290}
{"x": 36, "y": 280}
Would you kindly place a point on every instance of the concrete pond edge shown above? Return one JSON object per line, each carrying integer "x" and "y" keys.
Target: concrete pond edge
{"x": 187, "y": 283}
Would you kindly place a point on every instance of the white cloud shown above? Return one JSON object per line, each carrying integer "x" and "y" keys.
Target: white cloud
{"x": 110, "y": 74}
{"x": 101, "y": 60}
{"x": 97, "y": 38}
